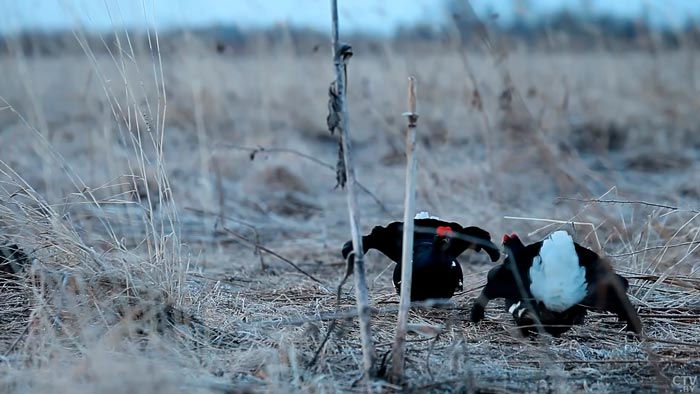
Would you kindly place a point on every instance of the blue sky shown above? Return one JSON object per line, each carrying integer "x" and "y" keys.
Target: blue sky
{"x": 375, "y": 16}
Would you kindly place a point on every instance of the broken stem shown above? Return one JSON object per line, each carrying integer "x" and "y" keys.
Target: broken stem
{"x": 399, "y": 350}
{"x": 341, "y": 53}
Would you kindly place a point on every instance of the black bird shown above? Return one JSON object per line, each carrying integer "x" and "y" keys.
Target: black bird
{"x": 554, "y": 283}
{"x": 12, "y": 260}
{"x": 436, "y": 246}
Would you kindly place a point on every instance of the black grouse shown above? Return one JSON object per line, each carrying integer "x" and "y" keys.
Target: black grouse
{"x": 554, "y": 282}
{"x": 12, "y": 260}
{"x": 436, "y": 245}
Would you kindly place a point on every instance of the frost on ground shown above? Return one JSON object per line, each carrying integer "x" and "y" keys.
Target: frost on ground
{"x": 163, "y": 215}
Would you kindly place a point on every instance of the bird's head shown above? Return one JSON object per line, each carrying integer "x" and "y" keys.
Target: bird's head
{"x": 510, "y": 237}
{"x": 512, "y": 243}
{"x": 443, "y": 236}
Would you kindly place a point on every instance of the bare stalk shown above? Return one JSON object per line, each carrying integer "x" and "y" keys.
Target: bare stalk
{"x": 399, "y": 349}
{"x": 341, "y": 53}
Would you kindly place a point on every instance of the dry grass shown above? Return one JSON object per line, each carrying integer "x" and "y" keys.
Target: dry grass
{"x": 127, "y": 199}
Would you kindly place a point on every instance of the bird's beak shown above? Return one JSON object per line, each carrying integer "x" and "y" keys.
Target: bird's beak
{"x": 446, "y": 243}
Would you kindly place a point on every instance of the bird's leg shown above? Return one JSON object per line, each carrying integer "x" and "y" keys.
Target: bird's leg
{"x": 478, "y": 309}
{"x": 500, "y": 284}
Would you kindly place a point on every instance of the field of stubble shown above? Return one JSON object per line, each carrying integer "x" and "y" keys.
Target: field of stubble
{"x": 165, "y": 200}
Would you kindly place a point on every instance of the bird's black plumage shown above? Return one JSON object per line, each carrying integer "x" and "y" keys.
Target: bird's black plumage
{"x": 605, "y": 291}
{"x": 436, "y": 246}
{"x": 12, "y": 260}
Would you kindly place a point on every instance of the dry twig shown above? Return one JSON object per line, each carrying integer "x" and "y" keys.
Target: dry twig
{"x": 650, "y": 204}
{"x": 339, "y": 111}
{"x": 399, "y": 350}
{"x": 253, "y": 152}
{"x": 257, "y": 246}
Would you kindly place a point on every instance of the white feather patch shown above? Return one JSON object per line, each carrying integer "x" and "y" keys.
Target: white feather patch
{"x": 556, "y": 278}
{"x": 514, "y": 307}
{"x": 425, "y": 215}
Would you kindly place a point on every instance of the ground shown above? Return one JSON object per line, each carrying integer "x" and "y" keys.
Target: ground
{"x": 165, "y": 199}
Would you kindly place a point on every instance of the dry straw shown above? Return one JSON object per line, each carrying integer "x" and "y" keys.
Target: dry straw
{"x": 341, "y": 54}
{"x": 111, "y": 272}
{"x": 399, "y": 349}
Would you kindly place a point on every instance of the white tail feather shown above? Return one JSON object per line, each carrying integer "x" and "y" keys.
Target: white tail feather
{"x": 425, "y": 215}
{"x": 556, "y": 278}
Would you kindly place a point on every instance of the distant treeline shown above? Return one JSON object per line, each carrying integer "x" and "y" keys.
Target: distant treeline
{"x": 560, "y": 31}
{"x": 557, "y": 31}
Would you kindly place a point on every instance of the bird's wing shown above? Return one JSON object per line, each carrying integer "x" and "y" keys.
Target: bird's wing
{"x": 387, "y": 239}
{"x": 607, "y": 291}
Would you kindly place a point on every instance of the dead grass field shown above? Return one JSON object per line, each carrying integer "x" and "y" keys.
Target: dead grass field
{"x": 141, "y": 193}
